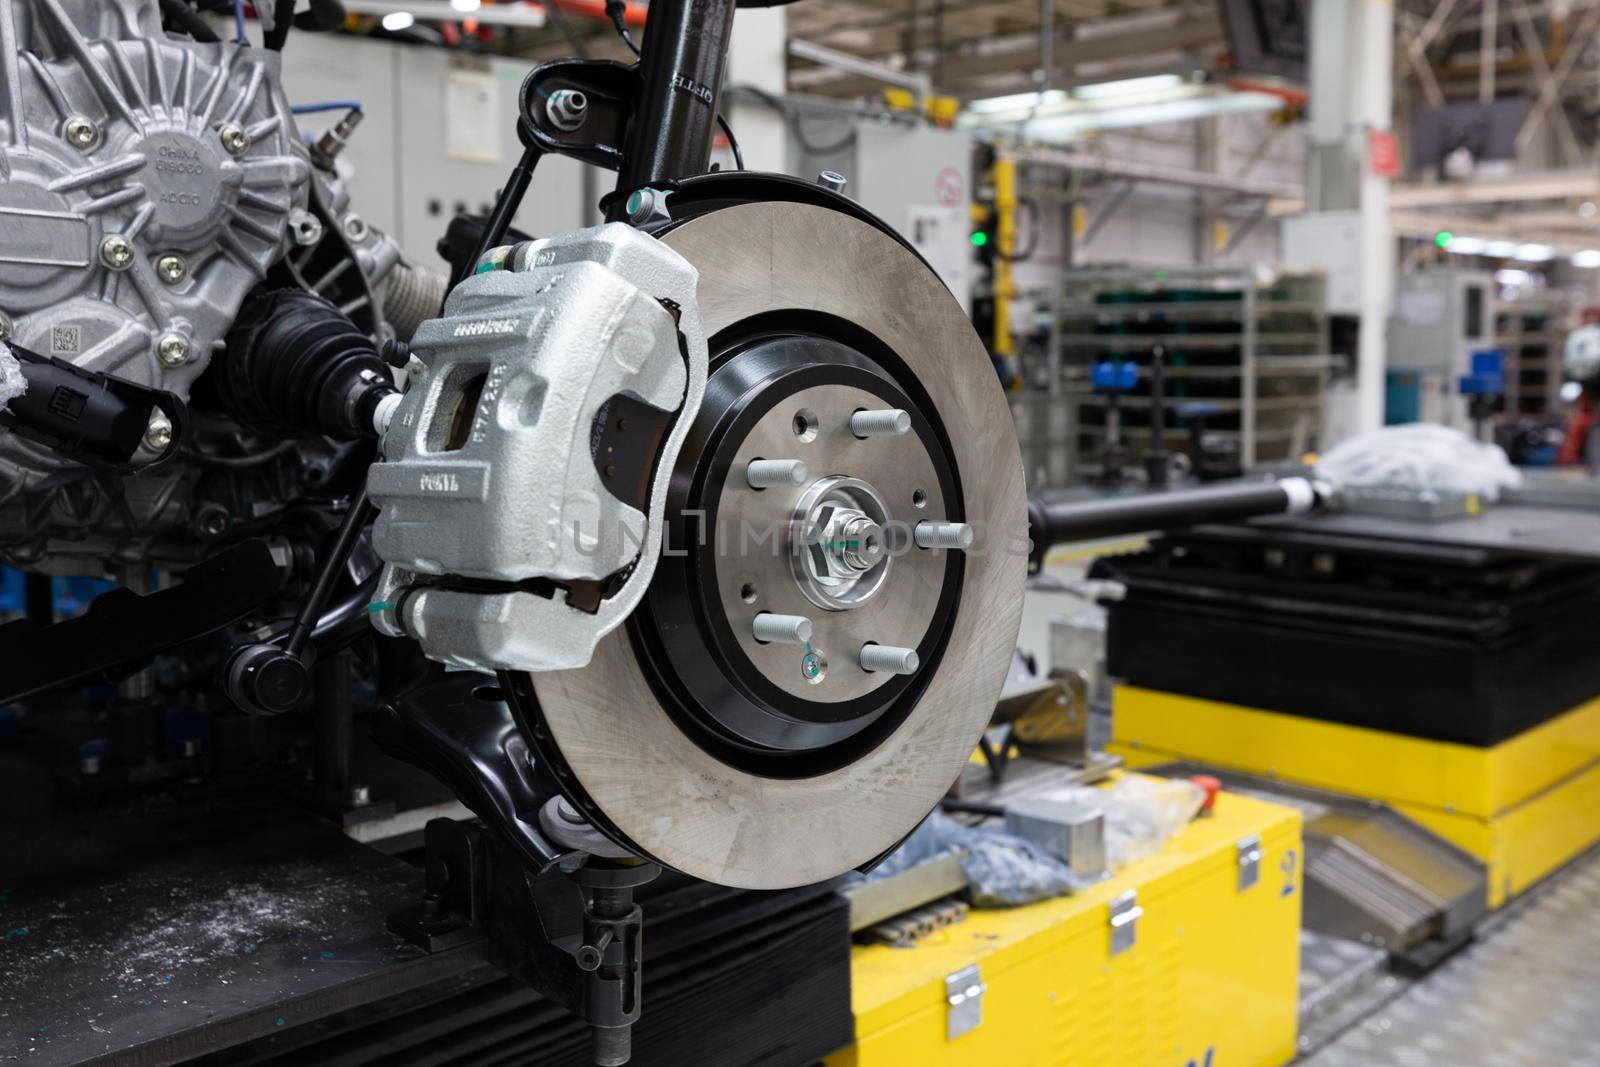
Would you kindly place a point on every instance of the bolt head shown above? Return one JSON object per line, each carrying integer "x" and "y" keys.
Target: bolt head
{"x": 158, "y": 435}
{"x": 171, "y": 268}
{"x": 80, "y": 132}
{"x": 173, "y": 350}
{"x": 647, "y": 205}
{"x": 234, "y": 138}
{"x": 304, "y": 228}
{"x": 116, "y": 252}
{"x": 213, "y": 521}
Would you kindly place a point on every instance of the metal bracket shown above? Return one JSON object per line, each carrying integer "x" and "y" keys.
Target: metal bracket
{"x": 1125, "y": 912}
{"x": 963, "y": 991}
{"x": 611, "y": 92}
{"x": 1249, "y": 853}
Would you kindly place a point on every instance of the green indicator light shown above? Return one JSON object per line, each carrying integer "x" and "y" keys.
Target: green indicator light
{"x": 1443, "y": 238}
{"x": 979, "y": 239}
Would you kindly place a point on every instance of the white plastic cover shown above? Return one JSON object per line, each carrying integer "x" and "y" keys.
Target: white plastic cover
{"x": 1421, "y": 456}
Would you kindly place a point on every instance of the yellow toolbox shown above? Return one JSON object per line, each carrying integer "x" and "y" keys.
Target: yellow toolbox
{"x": 1187, "y": 959}
{"x": 1524, "y": 807}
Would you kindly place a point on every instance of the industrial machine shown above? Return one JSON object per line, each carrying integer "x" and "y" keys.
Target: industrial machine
{"x": 694, "y": 541}
{"x": 1465, "y": 700}
{"x": 1443, "y": 318}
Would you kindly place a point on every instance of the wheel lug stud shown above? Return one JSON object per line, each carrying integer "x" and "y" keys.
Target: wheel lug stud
{"x": 887, "y": 422}
{"x": 775, "y": 473}
{"x": 888, "y": 659}
{"x": 943, "y": 535}
{"x": 776, "y": 629}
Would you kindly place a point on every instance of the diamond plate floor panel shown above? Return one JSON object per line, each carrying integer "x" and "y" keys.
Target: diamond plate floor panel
{"x": 1526, "y": 995}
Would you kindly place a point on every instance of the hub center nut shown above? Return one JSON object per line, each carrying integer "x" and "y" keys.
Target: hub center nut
{"x": 842, "y": 556}
{"x": 855, "y": 542}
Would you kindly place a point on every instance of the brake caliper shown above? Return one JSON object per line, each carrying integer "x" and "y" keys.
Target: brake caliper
{"x": 524, "y": 476}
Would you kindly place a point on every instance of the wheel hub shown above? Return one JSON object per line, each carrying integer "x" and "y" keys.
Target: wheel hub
{"x": 841, "y": 552}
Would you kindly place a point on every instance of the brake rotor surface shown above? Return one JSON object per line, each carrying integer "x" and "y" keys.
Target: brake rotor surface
{"x": 764, "y": 764}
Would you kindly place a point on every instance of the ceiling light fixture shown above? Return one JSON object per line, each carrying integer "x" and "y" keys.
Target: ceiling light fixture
{"x": 1016, "y": 102}
{"x": 1127, "y": 86}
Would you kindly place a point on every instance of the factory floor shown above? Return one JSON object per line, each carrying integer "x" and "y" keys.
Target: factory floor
{"x": 1525, "y": 994}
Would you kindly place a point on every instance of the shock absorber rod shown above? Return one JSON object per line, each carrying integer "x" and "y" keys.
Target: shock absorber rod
{"x": 684, "y": 52}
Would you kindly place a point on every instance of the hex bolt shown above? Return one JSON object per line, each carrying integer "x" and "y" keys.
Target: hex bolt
{"x": 234, "y": 138}
{"x": 831, "y": 180}
{"x": 943, "y": 535}
{"x": 567, "y": 108}
{"x": 775, "y": 473}
{"x": 171, "y": 268}
{"x": 304, "y": 228}
{"x": 884, "y": 422}
{"x": 116, "y": 252}
{"x": 888, "y": 659}
{"x": 589, "y": 957}
{"x": 781, "y": 629}
{"x": 647, "y": 205}
{"x": 80, "y": 132}
{"x": 158, "y": 434}
{"x": 173, "y": 350}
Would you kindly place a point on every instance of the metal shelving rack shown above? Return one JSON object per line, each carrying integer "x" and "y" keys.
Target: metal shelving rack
{"x": 1531, "y": 330}
{"x": 1252, "y": 342}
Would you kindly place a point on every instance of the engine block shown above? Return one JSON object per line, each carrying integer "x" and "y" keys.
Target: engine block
{"x": 148, "y": 185}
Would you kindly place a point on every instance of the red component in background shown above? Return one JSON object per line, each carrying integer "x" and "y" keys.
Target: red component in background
{"x": 1383, "y": 154}
{"x": 1212, "y": 786}
{"x": 950, "y": 187}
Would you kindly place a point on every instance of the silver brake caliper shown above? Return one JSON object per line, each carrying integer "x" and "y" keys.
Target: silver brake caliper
{"x": 525, "y": 471}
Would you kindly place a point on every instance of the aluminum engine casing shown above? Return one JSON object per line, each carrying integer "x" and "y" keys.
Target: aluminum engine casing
{"x": 155, "y": 172}
{"x": 572, "y": 322}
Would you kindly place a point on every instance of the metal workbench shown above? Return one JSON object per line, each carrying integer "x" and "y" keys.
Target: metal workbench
{"x": 155, "y": 936}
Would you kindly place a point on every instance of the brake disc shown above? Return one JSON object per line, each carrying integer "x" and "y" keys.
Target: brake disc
{"x": 771, "y": 757}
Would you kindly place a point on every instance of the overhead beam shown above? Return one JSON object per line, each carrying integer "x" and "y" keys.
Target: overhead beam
{"x": 1550, "y": 89}
{"x": 1090, "y": 163}
{"x": 1551, "y": 185}
{"x": 834, "y": 59}
{"x": 1019, "y": 55}
{"x": 1541, "y": 71}
{"x": 1488, "y": 45}
{"x": 1108, "y": 209}
{"x": 1507, "y": 228}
